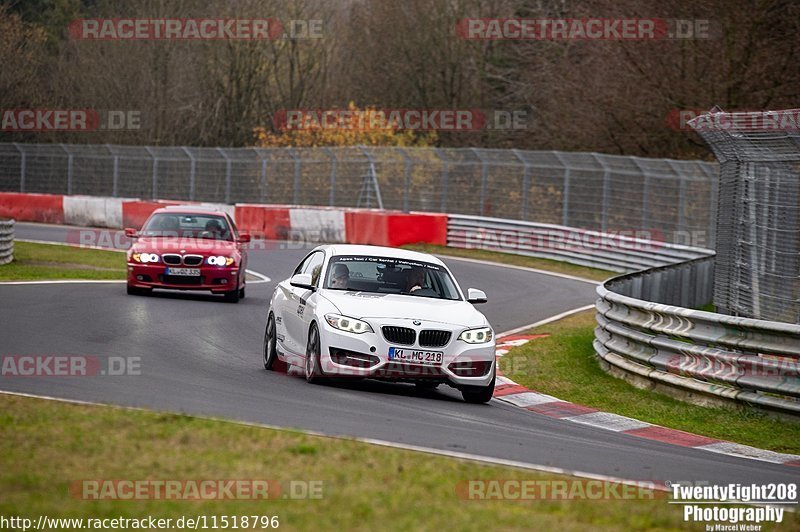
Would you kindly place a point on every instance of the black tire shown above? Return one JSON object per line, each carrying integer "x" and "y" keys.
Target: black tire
{"x": 135, "y": 291}
{"x": 233, "y": 295}
{"x": 313, "y": 368}
{"x": 241, "y": 293}
{"x": 270, "y": 351}
{"x": 478, "y": 394}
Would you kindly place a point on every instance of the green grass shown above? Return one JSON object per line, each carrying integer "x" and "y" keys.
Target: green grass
{"x": 34, "y": 262}
{"x": 564, "y": 365}
{"x": 47, "y": 446}
{"x": 517, "y": 260}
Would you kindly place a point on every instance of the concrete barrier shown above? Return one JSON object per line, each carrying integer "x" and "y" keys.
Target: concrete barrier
{"x": 89, "y": 211}
{"x": 45, "y": 208}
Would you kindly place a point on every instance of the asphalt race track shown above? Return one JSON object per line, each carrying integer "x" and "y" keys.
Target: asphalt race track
{"x": 200, "y": 355}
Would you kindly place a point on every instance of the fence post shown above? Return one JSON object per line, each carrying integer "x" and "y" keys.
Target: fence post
{"x": 296, "y": 186}
{"x": 484, "y": 177}
{"x": 115, "y": 172}
{"x": 70, "y": 168}
{"x": 262, "y": 187}
{"x": 525, "y": 184}
{"x": 565, "y": 188}
{"x": 407, "y": 183}
{"x": 332, "y": 192}
{"x": 192, "y": 172}
{"x": 445, "y": 177}
{"x": 707, "y": 169}
{"x": 154, "y": 188}
{"x": 645, "y": 196}
{"x": 606, "y": 191}
{"x": 23, "y": 166}
{"x": 681, "y": 198}
{"x": 228, "y": 166}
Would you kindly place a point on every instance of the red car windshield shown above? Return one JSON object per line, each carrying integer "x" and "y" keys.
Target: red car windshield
{"x": 185, "y": 225}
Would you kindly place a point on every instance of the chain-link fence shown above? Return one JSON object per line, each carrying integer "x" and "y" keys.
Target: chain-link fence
{"x": 585, "y": 190}
{"x": 758, "y": 244}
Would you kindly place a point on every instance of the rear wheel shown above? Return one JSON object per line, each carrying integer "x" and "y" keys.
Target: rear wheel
{"x": 478, "y": 394}
{"x": 313, "y": 349}
{"x": 270, "y": 339}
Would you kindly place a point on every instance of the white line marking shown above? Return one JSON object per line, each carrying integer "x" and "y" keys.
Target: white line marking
{"x": 263, "y": 278}
{"x": 526, "y": 399}
{"x": 737, "y": 449}
{"x": 608, "y": 421}
{"x": 371, "y": 441}
{"x": 544, "y": 321}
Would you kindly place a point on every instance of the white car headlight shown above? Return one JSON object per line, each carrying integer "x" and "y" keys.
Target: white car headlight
{"x": 219, "y": 260}
{"x": 481, "y": 335}
{"x": 344, "y": 323}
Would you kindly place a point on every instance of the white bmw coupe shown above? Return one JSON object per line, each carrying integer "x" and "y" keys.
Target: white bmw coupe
{"x": 381, "y": 313}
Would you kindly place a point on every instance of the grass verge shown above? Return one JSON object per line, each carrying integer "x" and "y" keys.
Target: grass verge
{"x": 47, "y": 446}
{"x": 34, "y": 262}
{"x": 564, "y": 365}
{"x": 516, "y": 260}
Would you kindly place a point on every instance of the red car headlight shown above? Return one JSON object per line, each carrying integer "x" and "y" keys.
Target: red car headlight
{"x": 219, "y": 260}
{"x": 145, "y": 258}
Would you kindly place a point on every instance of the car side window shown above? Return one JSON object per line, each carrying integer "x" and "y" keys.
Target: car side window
{"x": 302, "y": 265}
{"x": 314, "y": 266}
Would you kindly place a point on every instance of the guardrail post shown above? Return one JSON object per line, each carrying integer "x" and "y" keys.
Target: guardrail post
{"x": 154, "y": 186}
{"x": 23, "y": 166}
{"x": 192, "y": 172}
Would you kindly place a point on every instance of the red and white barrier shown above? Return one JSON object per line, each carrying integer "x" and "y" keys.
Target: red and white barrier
{"x": 274, "y": 222}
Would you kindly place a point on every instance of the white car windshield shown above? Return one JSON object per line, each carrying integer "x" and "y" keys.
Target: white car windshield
{"x": 388, "y": 275}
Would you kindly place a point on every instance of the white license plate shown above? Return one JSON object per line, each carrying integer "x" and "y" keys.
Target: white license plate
{"x": 415, "y": 356}
{"x": 188, "y": 272}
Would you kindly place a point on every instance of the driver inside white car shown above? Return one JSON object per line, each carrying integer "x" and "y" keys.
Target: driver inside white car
{"x": 340, "y": 276}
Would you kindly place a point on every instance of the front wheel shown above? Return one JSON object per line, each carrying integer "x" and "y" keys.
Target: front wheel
{"x": 270, "y": 338}
{"x": 234, "y": 295}
{"x": 478, "y": 394}
{"x": 313, "y": 350}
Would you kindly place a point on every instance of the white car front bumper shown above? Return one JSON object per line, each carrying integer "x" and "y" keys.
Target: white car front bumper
{"x": 366, "y": 355}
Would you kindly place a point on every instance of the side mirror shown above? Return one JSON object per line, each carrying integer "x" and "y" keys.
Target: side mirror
{"x": 244, "y": 238}
{"x": 476, "y": 296}
{"x": 131, "y": 232}
{"x": 302, "y": 280}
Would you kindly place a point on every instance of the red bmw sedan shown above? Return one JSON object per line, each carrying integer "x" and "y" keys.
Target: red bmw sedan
{"x": 188, "y": 248}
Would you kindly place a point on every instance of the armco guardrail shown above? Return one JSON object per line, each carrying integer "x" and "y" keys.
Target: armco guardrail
{"x": 6, "y": 241}
{"x": 701, "y": 353}
{"x": 619, "y": 252}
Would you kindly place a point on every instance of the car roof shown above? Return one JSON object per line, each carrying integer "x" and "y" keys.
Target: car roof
{"x": 190, "y": 209}
{"x": 379, "y": 251}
